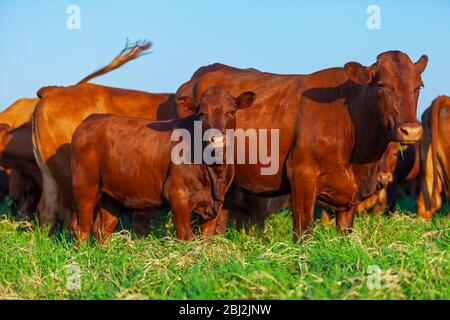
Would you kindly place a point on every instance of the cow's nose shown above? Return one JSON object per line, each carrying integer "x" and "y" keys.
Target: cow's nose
{"x": 217, "y": 141}
{"x": 409, "y": 133}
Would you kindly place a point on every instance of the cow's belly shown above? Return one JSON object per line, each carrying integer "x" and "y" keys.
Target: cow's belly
{"x": 249, "y": 177}
{"x": 138, "y": 185}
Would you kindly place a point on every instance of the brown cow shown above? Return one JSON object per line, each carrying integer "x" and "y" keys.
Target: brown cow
{"x": 13, "y": 116}
{"x": 16, "y": 153}
{"x": 62, "y": 109}
{"x": 434, "y": 157}
{"x": 18, "y": 113}
{"x": 130, "y": 160}
{"x": 334, "y": 126}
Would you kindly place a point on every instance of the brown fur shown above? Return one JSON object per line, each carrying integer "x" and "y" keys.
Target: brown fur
{"x": 434, "y": 157}
{"x": 16, "y": 153}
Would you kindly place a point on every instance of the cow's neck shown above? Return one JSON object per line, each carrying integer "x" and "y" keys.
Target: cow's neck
{"x": 370, "y": 136}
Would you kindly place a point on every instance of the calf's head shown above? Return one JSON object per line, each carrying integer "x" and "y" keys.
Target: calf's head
{"x": 388, "y": 163}
{"x": 394, "y": 82}
{"x": 217, "y": 110}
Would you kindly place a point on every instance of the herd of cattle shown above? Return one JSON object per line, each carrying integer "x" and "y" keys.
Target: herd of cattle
{"x": 81, "y": 156}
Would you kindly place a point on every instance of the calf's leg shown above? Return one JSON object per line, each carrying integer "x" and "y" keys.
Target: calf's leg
{"x": 181, "y": 214}
{"x": 107, "y": 219}
{"x": 303, "y": 199}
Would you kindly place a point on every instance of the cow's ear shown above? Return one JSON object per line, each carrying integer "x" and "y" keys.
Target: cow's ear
{"x": 186, "y": 106}
{"x": 358, "y": 73}
{"x": 421, "y": 64}
{"x": 245, "y": 99}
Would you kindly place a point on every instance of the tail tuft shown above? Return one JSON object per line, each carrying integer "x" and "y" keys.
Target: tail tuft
{"x": 130, "y": 52}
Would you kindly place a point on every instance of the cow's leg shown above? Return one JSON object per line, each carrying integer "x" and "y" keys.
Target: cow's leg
{"x": 86, "y": 195}
{"x": 105, "y": 225}
{"x": 344, "y": 220}
{"x": 391, "y": 197}
{"x": 107, "y": 218}
{"x": 181, "y": 214}
{"x": 422, "y": 211}
{"x": 50, "y": 201}
{"x": 380, "y": 203}
{"x": 303, "y": 199}
{"x": 86, "y": 205}
{"x": 426, "y": 190}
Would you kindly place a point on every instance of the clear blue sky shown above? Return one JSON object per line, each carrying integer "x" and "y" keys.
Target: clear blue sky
{"x": 277, "y": 36}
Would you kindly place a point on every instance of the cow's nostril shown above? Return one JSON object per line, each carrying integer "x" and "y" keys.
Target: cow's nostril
{"x": 409, "y": 132}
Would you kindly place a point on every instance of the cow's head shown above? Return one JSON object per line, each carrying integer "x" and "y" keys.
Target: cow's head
{"x": 217, "y": 110}
{"x": 395, "y": 82}
{"x": 388, "y": 163}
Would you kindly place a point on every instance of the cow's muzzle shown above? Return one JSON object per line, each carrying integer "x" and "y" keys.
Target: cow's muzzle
{"x": 217, "y": 141}
{"x": 408, "y": 133}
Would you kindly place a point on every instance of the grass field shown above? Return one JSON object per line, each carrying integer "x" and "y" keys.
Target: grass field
{"x": 410, "y": 259}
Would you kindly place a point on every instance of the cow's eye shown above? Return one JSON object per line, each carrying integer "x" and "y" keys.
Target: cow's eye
{"x": 381, "y": 86}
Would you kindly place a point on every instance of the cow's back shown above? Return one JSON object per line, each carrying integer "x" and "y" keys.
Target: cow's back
{"x": 132, "y": 158}
{"x": 19, "y": 112}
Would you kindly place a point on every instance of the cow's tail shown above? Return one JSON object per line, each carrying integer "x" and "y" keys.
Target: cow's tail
{"x": 130, "y": 52}
{"x": 434, "y": 121}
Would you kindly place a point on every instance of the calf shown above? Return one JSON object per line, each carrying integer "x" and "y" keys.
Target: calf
{"x": 434, "y": 157}
{"x": 405, "y": 179}
{"x": 128, "y": 160}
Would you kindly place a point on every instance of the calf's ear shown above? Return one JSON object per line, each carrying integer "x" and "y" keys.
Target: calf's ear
{"x": 421, "y": 64}
{"x": 358, "y": 73}
{"x": 245, "y": 99}
{"x": 186, "y": 106}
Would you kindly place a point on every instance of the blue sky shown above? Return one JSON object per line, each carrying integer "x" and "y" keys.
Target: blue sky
{"x": 278, "y": 36}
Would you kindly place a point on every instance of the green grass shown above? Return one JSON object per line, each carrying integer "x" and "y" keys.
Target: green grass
{"x": 413, "y": 258}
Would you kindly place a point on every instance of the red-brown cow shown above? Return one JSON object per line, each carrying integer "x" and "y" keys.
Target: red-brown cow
{"x": 129, "y": 160}
{"x": 16, "y": 153}
{"x": 334, "y": 126}
{"x": 434, "y": 157}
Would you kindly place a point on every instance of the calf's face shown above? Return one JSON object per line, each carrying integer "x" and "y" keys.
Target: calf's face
{"x": 395, "y": 82}
{"x": 387, "y": 164}
{"x": 217, "y": 110}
